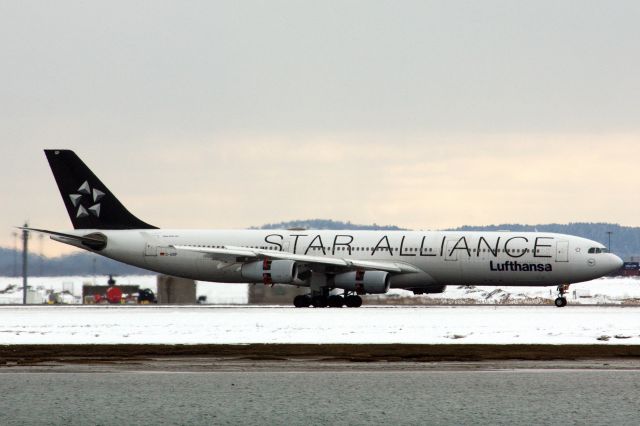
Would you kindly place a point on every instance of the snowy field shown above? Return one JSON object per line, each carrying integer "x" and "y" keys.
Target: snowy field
{"x": 614, "y": 291}
{"x": 601, "y": 291}
{"x": 495, "y": 322}
{"x": 232, "y": 324}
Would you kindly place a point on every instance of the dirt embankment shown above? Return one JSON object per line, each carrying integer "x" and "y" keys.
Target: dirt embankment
{"x": 87, "y": 354}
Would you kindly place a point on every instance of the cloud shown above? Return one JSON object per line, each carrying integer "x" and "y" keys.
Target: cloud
{"x": 428, "y": 181}
{"x": 228, "y": 114}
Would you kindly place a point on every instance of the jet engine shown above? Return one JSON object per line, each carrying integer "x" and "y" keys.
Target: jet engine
{"x": 270, "y": 271}
{"x": 362, "y": 282}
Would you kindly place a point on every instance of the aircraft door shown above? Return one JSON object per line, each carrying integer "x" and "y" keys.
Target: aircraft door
{"x": 562, "y": 251}
{"x": 150, "y": 250}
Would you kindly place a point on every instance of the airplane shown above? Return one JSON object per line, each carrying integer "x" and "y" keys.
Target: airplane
{"x": 327, "y": 262}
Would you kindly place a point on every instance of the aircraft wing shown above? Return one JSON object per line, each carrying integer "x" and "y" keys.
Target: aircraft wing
{"x": 229, "y": 252}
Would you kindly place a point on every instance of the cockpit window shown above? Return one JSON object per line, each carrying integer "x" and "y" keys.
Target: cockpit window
{"x": 598, "y": 250}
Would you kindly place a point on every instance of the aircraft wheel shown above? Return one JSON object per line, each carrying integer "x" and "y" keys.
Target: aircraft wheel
{"x": 319, "y": 302}
{"x": 336, "y": 301}
{"x": 560, "y": 302}
{"x": 302, "y": 301}
{"x": 353, "y": 301}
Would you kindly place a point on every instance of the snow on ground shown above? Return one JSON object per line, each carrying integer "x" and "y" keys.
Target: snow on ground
{"x": 225, "y": 325}
{"x": 601, "y": 291}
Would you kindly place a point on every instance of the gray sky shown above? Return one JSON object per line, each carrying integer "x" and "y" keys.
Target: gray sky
{"x": 231, "y": 114}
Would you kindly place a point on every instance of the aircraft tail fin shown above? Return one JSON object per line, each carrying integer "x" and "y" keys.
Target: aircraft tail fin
{"x": 89, "y": 202}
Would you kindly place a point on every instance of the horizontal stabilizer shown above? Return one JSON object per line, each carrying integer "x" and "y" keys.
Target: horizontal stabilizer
{"x": 95, "y": 241}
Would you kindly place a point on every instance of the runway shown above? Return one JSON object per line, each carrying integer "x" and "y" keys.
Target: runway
{"x": 348, "y": 396}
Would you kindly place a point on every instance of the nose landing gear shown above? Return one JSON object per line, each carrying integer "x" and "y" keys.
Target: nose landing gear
{"x": 561, "y": 301}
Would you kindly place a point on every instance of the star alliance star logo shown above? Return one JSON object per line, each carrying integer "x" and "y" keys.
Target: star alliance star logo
{"x": 85, "y": 190}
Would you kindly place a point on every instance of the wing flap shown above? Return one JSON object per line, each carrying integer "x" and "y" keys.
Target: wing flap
{"x": 350, "y": 264}
{"x": 235, "y": 252}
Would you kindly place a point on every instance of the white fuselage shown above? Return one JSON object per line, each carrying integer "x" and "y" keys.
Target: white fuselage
{"x": 442, "y": 258}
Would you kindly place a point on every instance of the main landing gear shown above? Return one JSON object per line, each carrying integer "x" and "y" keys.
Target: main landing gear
{"x": 561, "y": 301}
{"x": 333, "y": 301}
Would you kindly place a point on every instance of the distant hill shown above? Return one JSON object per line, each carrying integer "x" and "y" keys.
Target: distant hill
{"x": 327, "y": 224}
{"x": 625, "y": 241}
{"x": 73, "y": 264}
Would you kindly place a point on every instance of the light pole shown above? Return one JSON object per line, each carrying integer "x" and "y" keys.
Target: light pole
{"x": 15, "y": 253}
{"x": 609, "y": 234}
{"x": 41, "y": 247}
{"x": 25, "y": 254}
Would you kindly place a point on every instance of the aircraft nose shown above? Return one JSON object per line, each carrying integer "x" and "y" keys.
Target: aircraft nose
{"x": 615, "y": 262}
{"x": 618, "y": 261}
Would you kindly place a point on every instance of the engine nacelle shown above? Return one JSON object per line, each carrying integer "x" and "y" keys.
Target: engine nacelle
{"x": 362, "y": 282}
{"x": 270, "y": 271}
